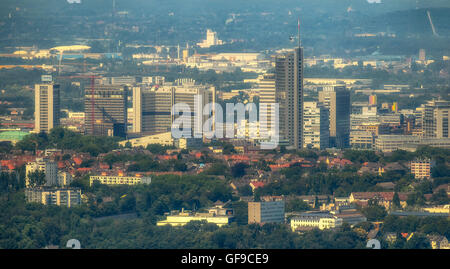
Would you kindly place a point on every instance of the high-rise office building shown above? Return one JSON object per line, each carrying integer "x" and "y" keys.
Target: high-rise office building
{"x": 316, "y": 129}
{"x": 289, "y": 96}
{"x": 47, "y": 108}
{"x": 106, "y": 112}
{"x": 267, "y": 95}
{"x": 152, "y": 107}
{"x": 337, "y": 100}
{"x": 435, "y": 119}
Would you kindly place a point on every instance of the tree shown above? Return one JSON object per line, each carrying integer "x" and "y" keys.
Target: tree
{"x": 240, "y": 210}
{"x": 396, "y": 200}
{"x": 417, "y": 241}
{"x": 245, "y": 190}
{"x": 156, "y": 149}
{"x": 415, "y": 198}
{"x": 374, "y": 212}
{"x": 228, "y": 149}
{"x": 297, "y": 205}
{"x": 238, "y": 170}
{"x": 36, "y": 178}
{"x": 440, "y": 197}
{"x": 218, "y": 169}
{"x": 5, "y": 147}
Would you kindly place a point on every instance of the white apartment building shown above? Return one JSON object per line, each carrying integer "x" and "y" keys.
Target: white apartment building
{"x": 316, "y": 125}
{"x": 50, "y": 169}
{"x": 218, "y": 216}
{"x": 60, "y": 196}
{"x": 315, "y": 220}
{"x": 119, "y": 180}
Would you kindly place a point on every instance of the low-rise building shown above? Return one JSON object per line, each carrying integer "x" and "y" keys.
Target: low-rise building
{"x": 421, "y": 168}
{"x": 120, "y": 180}
{"x": 388, "y": 143}
{"x": 383, "y": 198}
{"x": 217, "y": 215}
{"x": 164, "y": 139}
{"x": 444, "y": 209}
{"x": 362, "y": 139}
{"x": 270, "y": 210}
{"x": 188, "y": 143}
{"x": 321, "y": 220}
{"x": 351, "y": 216}
{"x": 438, "y": 242}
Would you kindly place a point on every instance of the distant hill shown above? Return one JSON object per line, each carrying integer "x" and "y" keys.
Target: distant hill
{"x": 407, "y": 22}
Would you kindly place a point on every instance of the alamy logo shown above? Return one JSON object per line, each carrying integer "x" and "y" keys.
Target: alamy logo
{"x": 208, "y": 121}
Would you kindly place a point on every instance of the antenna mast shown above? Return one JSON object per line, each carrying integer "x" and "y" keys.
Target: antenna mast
{"x": 298, "y": 33}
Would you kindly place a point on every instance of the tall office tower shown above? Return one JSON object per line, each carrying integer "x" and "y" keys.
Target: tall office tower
{"x": 337, "y": 100}
{"x": 46, "y": 107}
{"x": 106, "y": 113}
{"x": 267, "y": 95}
{"x": 316, "y": 129}
{"x": 435, "y": 119}
{"x": 152, "y": 107}
{"x": 289, "y": 96}
{"x": 152, "y": 110}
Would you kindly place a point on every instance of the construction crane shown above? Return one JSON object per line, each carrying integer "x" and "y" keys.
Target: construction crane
{"x": 104, "y": 113}
{"x": 431, "y": 23}
{"x": 92, "y": 78}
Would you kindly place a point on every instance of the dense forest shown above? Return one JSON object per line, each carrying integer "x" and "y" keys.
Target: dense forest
{"x": 25, "y": 225}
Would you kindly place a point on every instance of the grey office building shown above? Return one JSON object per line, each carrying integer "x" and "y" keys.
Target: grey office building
{"x": 106, "y": 113}
{"x": 152, "y": 107}
{"x": 435, "y": 119}
{"x": 337, "y": 99}
{"x": 289, "y": 96}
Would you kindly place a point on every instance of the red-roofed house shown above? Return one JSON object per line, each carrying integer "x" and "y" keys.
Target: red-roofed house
{"x": 384, "y": 198}
{"x": 167, "y": 157}
{"x": 256, "y": 184}
{"x": 77, "y": 160}
{"x": 8, "y": 164}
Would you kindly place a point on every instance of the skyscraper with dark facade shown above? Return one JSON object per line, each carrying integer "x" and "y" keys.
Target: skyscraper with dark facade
{"x": 106, "y": 112}
{"x": 337, "y": 99}
{"x": 289, "y": 96}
